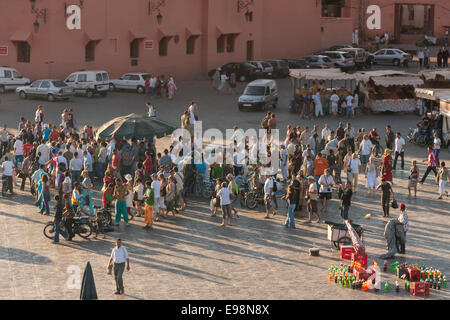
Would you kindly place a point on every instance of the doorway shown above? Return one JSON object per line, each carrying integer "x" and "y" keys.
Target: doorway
{"x": 249, "y": 50}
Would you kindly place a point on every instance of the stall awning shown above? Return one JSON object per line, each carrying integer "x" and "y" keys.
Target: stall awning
{"x": 134, "y": 34}
{"x": 366, "y": 75}
{"x": 227, "y": 29}
{"x": 166, "y": 32}
{"x": 397, "y": 81}
{"x": 431, "y": 93}
{"x": 21, "y": 36}
{"x": 436, "y": 74}
{"x": 445, "y": 106}
{"x": 320, "y": 74}
{"x": 193, "y": 31}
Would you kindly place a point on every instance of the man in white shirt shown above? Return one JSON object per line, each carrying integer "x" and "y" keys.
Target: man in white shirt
{"x": 268, "y": 192}
{"x": 44, "y": 150}
{"x": 224, "y": 194}
{"x": 403, "y": 219}
{"x": 332, "y": 145}
{"x": 8, "y": 171}
{"x": 399, "y": 150}
{"x": 18, "y": 151}
{"x": 326, "y": 183}
{"x": 152, "y": 85}
{"x": 354, "y": 166}
{"x": 4, "y": 140}
{"x": 318, "y": 104}
{"x": 437, "y": 147}
{"x": 193, "y": 112}
{"x": 365, "y": 149}
{"x": 334, "y": 103}
{"x": 119, "y": 256}
{"x": 75, "y": 166}
{"x": 349, "y": 101}
{"x": 326, "y": 132}
{"x": 284, "y": 162}
{"x": 156, "y": 186}
{"x": 61, "y": 159}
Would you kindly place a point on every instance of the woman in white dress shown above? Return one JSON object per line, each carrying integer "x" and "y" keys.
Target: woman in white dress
{"x": 129, "y": 196}
{"x": 371, "y": 175}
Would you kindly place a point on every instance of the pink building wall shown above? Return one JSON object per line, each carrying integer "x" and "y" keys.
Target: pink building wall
{"x": 336, "y": 31}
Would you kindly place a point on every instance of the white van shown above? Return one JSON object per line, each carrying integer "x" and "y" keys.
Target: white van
{"x": 89, "y": 82}
{"x": 11, "y": 79}
{"x": 259, "y": 94}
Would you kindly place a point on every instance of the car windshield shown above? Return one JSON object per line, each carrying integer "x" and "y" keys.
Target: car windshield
{"x": 105, "y": 76}
{"x": 248, "y": 65}
{"x": 326, "y": 59}
{"x": 255, "y": 91}
{"x": 266, "y": 65}
{"x": 59, "y": 84}
{"x": 348, "y": 55}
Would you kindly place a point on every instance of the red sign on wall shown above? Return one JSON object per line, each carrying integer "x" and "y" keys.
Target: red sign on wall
{"x": 148, "y": 44}
{"x": 3, "y": 50}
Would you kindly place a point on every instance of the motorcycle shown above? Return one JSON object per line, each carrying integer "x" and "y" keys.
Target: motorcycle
{"x": 81, "y": 226}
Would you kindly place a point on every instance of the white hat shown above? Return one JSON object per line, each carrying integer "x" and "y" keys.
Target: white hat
{"x": 128, "y": 177}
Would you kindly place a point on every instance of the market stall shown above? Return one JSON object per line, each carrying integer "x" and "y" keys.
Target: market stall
{"x": 445, "y": 112}
{"x": 308, "y": 81}
{"x": 388, "y": 90}
{"x": 439, "y": 79}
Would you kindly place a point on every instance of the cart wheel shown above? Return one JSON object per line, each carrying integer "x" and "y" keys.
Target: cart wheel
{"x": 343, "y": 241}
{"x": 335, "y": 245}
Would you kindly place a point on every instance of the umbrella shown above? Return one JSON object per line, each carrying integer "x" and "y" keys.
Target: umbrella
{"x": 88, "y": 291}
{"x": 134, "y": 125}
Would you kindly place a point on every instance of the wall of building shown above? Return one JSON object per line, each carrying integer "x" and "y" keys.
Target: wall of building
{"x": 336, "y": 31}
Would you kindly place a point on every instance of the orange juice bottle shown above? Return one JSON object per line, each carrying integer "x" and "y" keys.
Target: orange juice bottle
{"x": 364, "y": 286}
{"x": 331, "y": 276}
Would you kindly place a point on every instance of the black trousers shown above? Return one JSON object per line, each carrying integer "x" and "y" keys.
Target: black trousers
{"x": 429, "y": 169}
{"x": 7, "y": 184}
{"x": 385, "y": 200}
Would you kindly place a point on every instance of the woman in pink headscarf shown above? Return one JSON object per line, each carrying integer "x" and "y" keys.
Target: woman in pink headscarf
{"x": 171, "y": 87}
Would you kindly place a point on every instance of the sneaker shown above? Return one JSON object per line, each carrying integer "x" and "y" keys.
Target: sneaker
{"x": 117, "y": 292}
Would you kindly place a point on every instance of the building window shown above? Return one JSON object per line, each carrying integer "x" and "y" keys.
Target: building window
{"x": 221, "y": 44}
{"x": 230, "y": 43}
{"x": 90, "y": 51}
{"x": 23, "y": 51}
{"x": 190, "y": 45}
{"x": 163, "y": 44}
{"x": 134, "y": 48}
{"x": 332, "y": 8}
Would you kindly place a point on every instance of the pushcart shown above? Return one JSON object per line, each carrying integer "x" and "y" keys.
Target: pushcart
{"x": 338, "y": 234}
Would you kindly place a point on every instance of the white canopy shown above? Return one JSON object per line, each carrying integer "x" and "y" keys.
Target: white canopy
{"x": 366, "y": 75}
{"x": 320, "y": 74}
{"x": 445, "y": 106}
{"x": 398, "y": 81}
{"x": 432, "y": 74}
{"x": 431, "y": 93}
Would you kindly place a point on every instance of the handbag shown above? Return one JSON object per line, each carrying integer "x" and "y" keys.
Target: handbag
{"x": 394, "y": 204}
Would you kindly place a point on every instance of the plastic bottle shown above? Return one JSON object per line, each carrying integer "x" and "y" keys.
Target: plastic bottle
{"x": 444, "y": 282}
{"x": 385, "y": 265}
{"x": 364, "y": 286}
{"x": 386, "y": 286}
{"x": 439, "y": 285}
{"x": 407, "y": 285}
{"x": 397, "y": 287}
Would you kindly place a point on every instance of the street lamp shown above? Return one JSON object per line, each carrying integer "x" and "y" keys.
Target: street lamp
{"x": 159, "y": 18}
{"x": 36, "y": 25}
{"x": 245, "y": 4}
{"x": 40, "y": 13}
{"x": 155, "y": 6}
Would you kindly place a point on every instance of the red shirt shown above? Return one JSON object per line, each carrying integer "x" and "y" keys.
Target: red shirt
{"x": 26, "y": 148}
{"x": 148, "y": 164}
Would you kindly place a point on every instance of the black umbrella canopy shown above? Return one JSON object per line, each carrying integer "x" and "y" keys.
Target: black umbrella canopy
{"x": 88, "y": 291}
{"x": 134, "y": 125}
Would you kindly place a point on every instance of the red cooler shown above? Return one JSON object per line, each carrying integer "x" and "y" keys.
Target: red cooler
{"x": 361, "y": 258}
{"x": 346, "y": 252}
{"x": 414, "y": 274}
{"x": 420, "y": 288}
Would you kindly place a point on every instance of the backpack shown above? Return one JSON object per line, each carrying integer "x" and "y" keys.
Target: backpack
{"x": 275, "y": 188}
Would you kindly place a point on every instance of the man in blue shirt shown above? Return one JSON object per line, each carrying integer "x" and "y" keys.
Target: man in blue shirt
{"x": 46, "y": 132}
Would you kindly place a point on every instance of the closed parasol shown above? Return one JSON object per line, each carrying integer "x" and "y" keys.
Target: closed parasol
{"x": 134, "y": 125}
{"x": 88, "y": 291}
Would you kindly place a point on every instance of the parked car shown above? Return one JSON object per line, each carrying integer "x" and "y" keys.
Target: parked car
{"x": 339, "y": 47}
{"x": 10, "y": 79}
{"x": 360, "y": 56}
{"x": 259, "y": 94}
{"x": 89, "y": 82}
{"x": 319, "y": 62}
{"x": 395, "y": 57}
{"x": 48, "y": 89}
{"x": 244, "y": 71}
{"x": 280, "y": 68}
{"x": 340, "y": 59}
{"x": 130, "y": 81}
{"x": 297, "y": 64}
{"x": 266, "y": 67}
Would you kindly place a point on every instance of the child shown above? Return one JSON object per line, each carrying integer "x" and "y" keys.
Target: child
{"x": 100, "y": 224}
{"x": 149, "y": 199}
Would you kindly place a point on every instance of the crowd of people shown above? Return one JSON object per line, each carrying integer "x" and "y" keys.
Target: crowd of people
{"x": 160, "y": 87}
{"x": 138, "y": 181}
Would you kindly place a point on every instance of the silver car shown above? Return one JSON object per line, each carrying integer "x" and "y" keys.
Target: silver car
{"x": 340, "y": 59}
{"x": 130, "y": 81}
{"x": 266, "y": 67}
{"x": 47, "y": 88}
{"x": 394, "y": 57}
{"x": 319, "y": 61}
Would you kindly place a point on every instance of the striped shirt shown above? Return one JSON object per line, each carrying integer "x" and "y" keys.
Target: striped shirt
{"x": 403, "y": 218}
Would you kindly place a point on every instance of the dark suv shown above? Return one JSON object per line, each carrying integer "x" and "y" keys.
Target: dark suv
{"x": 244, "y": 71}
{"x": 280, "y": 68}
{"x": 297, "y": 63}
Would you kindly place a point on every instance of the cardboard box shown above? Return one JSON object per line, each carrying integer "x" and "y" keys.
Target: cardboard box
{"x": 346, "y": 252}
{"x": 420, "y": 288}
{"x": 361, "y": 258}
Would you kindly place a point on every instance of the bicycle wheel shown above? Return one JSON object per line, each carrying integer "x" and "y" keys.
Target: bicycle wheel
{"x": 343, "y": 242}
{"x": 49, "y": 231}
{"x": 84, "y": 230}
{"x": 251, "y": 201}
